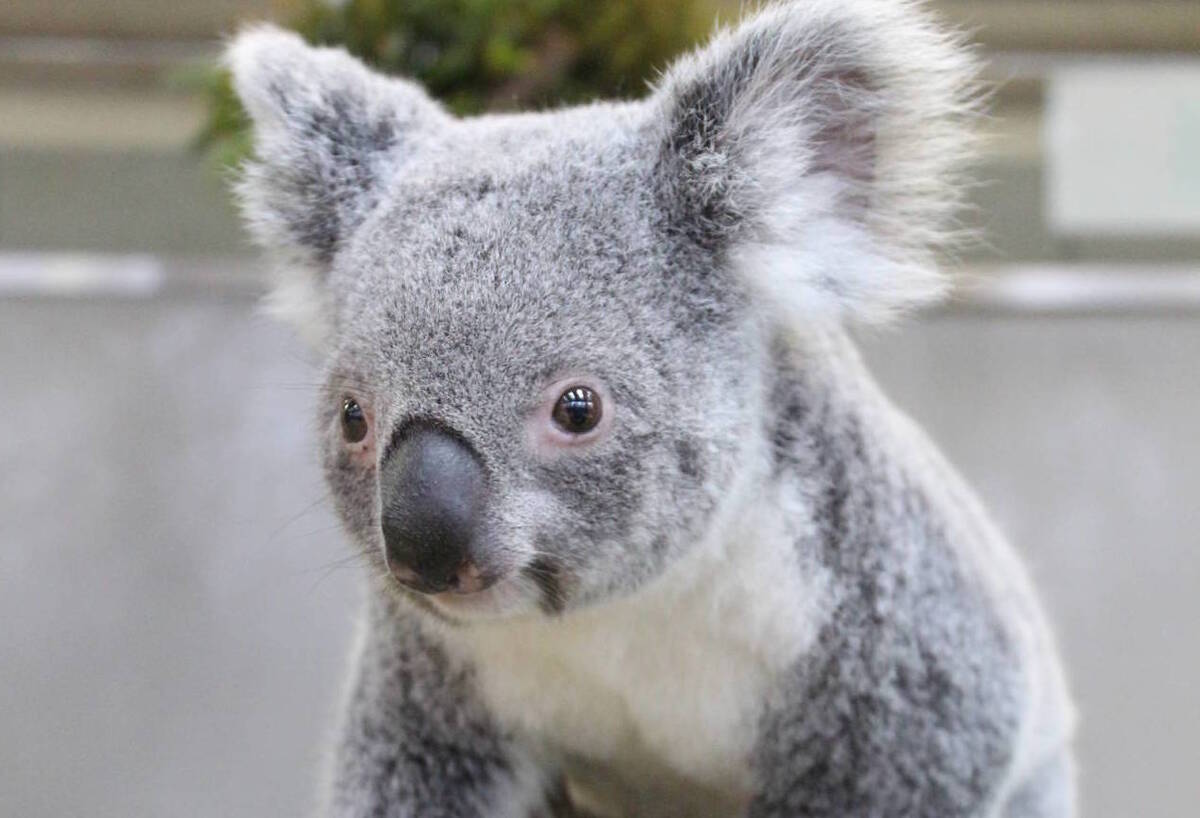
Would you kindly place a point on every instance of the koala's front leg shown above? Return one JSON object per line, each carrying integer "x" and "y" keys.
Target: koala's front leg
{"x": 417, "y": 742}
{"x": 882, "y": 726}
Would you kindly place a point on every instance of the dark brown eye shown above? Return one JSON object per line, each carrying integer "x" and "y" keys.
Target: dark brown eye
{"x": 577, "y": 410}
{"x": 354, "y": 421}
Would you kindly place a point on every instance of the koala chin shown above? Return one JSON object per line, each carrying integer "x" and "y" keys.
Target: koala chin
{"x": 643, "y": 536}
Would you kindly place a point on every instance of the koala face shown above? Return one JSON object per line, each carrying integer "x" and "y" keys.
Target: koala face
{"x": 599, "y": 388}
{"x": 545, "y": 334}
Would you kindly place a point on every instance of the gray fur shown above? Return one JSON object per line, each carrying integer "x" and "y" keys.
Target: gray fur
{"x": 910, "y": 704}
{"x": 431, "y": 746}
{"x": 694, "y": 253}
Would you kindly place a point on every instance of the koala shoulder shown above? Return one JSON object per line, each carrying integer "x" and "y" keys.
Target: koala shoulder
{"x": 934, "y": 639}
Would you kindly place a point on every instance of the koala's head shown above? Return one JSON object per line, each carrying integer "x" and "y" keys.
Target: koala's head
{"x": 546, "y": 334}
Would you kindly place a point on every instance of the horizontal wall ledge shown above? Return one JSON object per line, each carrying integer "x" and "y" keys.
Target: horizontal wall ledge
{"x": 1084, "y": 289}
{"x": 1094, "y": 25}
{"x": 1019, "y": 289}
{"x": 42, "y": 275}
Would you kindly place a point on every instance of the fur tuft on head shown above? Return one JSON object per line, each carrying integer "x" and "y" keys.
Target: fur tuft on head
{"x": 819, "y": 147}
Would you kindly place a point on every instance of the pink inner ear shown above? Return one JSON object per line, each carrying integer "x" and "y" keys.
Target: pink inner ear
{"x": 844, "y": 141}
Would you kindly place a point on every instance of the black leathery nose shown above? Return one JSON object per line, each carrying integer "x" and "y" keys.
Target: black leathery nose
{"x": 433, "y": 489}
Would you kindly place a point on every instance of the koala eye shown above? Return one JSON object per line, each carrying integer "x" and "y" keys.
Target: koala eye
{"x": 578, "y": 410}
{"x": 354, "y": 421}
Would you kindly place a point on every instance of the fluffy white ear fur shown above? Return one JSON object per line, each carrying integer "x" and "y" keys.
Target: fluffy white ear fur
{"x": 819, "y": 145}
{"x": 327, "y": 131}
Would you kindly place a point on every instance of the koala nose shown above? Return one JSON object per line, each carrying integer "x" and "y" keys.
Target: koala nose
{"x": 433, "y": 487}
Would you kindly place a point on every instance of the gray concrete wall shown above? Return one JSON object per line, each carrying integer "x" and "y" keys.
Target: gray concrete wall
{"x": 176, "y": 601}
{"x": 97, "y": 133}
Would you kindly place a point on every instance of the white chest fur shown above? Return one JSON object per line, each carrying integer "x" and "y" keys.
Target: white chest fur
{"x": 669, "y": 681}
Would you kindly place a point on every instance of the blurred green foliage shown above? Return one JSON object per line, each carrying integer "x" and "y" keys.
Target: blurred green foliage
{"x": 489, "y": 55}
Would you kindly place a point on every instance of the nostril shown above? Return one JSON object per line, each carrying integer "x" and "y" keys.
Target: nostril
{"x": 424, "y": 583}
{"x": 469, "y": 579}
{"x": 402, "y": 573}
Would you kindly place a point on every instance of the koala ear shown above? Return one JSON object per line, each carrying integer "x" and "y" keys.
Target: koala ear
{"x": 328, "y": 134}
{"x": 817, "y": 148}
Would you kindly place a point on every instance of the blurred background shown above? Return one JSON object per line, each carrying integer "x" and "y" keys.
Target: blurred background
{"x": 174, "y": 593}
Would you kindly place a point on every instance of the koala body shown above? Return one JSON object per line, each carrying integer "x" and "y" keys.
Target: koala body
{"x": 644, "y": 537}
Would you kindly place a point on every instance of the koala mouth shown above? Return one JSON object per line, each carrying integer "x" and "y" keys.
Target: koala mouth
{"x": 466, "y": 580}
{"x": 539, "y": 588}
{"x": 500, "y": 600}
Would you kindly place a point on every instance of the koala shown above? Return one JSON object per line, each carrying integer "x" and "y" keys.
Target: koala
{"x": 641, "y": 536}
